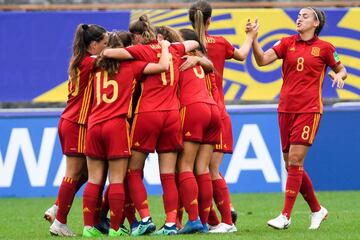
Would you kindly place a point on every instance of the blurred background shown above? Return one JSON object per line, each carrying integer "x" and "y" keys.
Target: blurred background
{"x": 35, "y": 48}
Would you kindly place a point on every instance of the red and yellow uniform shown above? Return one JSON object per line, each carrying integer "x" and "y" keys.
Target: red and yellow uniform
{"x": 303, "y": 69}
{"x": 219, "y": 49}
{"x": 156, "y": 123}
{"x": 199, "y": 112}
{"x": 73, "y": 121}
{"x": 108, "y": 130}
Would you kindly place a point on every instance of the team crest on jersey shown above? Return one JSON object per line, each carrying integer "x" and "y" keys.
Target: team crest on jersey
{"x": 210, "y": 40}
{"x": 315, "y": 51}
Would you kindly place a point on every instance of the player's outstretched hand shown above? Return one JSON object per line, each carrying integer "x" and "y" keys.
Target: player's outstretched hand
{"x": 190, "y": 62}
{"x": 336, "y": 80}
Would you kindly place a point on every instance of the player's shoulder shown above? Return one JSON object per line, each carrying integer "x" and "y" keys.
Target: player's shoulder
{"x": 88, "y": 61}
{"x": 324, "y": 44}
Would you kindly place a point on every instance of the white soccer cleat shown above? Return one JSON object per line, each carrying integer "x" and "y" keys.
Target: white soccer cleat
{"x": 317, "y": 218}
{"x": 50, "y": 214}
{"x": 60, "y": 229}
{"x": 223, "y": 228}
{"x": 212, "y": 227}
{"x": 280, "y": 222}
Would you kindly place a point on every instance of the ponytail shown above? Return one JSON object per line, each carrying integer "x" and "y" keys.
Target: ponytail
{"x": 199, "y": 14}
{"x": 84, "y": 35}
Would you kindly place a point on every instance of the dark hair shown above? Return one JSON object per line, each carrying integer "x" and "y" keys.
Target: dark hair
{"x": 117, "y": 39}
{"x": 142, "y": 26}
{"x": 169, "y": 33}
{"x": 189, "y": 34}
{"x": 321, "y": 17}
{"x": 199, "y": 13}
{"x": 84, "y": 35}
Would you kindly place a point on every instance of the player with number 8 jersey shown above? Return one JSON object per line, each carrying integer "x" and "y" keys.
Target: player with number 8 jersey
{"x": 305, "y": 60}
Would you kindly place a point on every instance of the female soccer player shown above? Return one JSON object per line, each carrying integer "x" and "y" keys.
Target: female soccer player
{"x": 200, "y": 126}
{"x": 305, "y": 59}
{"x": 113, "y": 88}
{"x": 218, "y": 50}
{"x": 89, "y": 40}
{"x": 156, "y": 124}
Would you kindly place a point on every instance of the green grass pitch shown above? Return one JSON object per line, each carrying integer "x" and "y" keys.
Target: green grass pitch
{"x": 22, "y": 218}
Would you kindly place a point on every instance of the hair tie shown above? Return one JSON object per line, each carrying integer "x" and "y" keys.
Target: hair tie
{"x": 317, "y": 17}
{"x": 85, "y": 26}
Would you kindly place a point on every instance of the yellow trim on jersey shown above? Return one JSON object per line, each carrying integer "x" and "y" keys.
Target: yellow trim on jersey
{"x": 128, "y": 135}
{"x": 182, "y": 116}
{"x": 219, "y": 146}
{"x": 129, "y": 113}
{"x": 314, "y": 127}
{"x": 320, "y": 88}
{"x": 133, "y": 128}
{"x": 139, "y": 101}
{"x": 81, "y": 138}
{"x": 86, "y": 101}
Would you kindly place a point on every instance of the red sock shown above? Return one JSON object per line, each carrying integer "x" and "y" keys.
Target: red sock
{"x": 213, "y": 219}
{"x": 188, "y": 189}
{"x": 293, "y": 183}
{"x": 205, "y": 196}
{"x": 308, "y": 192}
{"x": 138, "y": 192}
{"x": 129, "y": 208}
{"x": 116, "y": 203}
{"x": 170, "y": 196}
{"x": 83, "y": 179}
{"x": 90, "y": 201}
{"x": 105, "y": 203}
{"x": 65, "y": 198}
{"x": 222, "y": 200}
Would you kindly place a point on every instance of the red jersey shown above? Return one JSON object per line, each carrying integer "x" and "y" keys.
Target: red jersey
{"x": 80, "y": 93}
{"x": 159, "y": 91}
{"x": 303, "y": 69}
{"x": 219, "y": 49}
{"x": 195, "y": 86}
{"x": 113, "y": 94}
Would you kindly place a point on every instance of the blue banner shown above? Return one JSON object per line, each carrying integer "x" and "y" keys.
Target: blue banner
{"x": 32, "y": 165}
{"x": 36, "y": 47}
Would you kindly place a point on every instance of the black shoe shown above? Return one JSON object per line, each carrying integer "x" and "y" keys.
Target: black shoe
{"x": 103, "y": 226}
{"x": 233, "y": 215}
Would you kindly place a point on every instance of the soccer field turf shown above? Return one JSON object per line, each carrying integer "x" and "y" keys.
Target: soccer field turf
{"x": 22, "y": 218}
